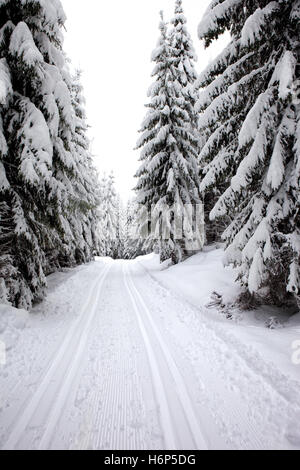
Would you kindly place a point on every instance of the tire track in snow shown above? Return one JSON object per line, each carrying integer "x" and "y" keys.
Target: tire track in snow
{"x": 182, "y": 393}
{"x": 73, "y": 344}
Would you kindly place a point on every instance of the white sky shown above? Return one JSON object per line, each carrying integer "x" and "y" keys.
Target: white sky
{"x": 111, "y": 41}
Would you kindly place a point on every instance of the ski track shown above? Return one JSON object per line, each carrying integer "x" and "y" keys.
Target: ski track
{"x": 196, "y": 439}
{"x": 253, "y": 405}
{"x": 141, "y": 368}
{"x": 114, "y": 401}
{"x": 59, "y": 365}
{"x": 165, "y": 415}
{"x": 280, "y": 383}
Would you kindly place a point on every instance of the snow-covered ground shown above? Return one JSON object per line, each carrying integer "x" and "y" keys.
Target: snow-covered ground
{"x": 126, "y": 355}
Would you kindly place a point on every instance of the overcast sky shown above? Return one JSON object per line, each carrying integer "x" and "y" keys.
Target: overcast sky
{"x": 111, "y": 41}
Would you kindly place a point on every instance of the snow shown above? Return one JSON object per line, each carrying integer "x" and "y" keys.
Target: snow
{"x": 62, "y": 96}
{"x": 256, "y": 272}
{"x": 129, "y": 355}
{"x": 206, "y": 266}
{"x": 4, "y": 184}
{"x": 255, "y": 156}
{"x": 210, "y": 19}
{"x": 253, "y": 119}
{"x": 276, "y": 169}
{"x": 259, "y": 237}
{"x": 5, "y": 82}
{"x": 284, "y": 73}
{"x": 12, "y": 323}
{"x": 22, "y": 45}
{"x": 293, "y": 279}
{"x": 198, "y": 277}
{"x": 254, "y": 25}
{"x": 53, "y": 10}
{"x": 37, "y": 149}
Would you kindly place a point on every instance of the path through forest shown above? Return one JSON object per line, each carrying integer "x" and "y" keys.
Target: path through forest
{"x": 113, "y": 360}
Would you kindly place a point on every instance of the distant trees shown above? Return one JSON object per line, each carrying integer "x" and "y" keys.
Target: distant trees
{"x": 118, "y": 226}
{"x": 111, "y": 226}
{"x": 134, "y": 242}
{"x": 48, "y": 186}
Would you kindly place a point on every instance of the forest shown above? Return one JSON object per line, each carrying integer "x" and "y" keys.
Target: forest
{"x": 168, "y": 319}
{"x": 228, "y": 138}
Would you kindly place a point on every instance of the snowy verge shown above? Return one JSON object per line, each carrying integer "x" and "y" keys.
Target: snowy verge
{"x": 12, "y": 322}
{"x": 28, "y": 340}
{"x": 197, "y": 278}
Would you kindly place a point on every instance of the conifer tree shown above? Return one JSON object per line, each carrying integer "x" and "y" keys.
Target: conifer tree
{"x": 40, "y": 170}
{"x": 108, "y": 223}
{"x": 251, "y": 119}
{"x": 134, "y": 244}
{"x": 119, "y": 247}
{"x": 182, "y": 58}
{"x": 168, "y": 175}
{"x": 84, "y": 213}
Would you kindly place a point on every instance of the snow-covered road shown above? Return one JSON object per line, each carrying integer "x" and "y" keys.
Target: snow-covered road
{"x": 113, "y": 360}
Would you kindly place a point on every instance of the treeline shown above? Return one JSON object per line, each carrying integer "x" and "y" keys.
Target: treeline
{"x": 48, "y": 186}
{"x": 230, "y": 138}
{"x": 118, "y": 224}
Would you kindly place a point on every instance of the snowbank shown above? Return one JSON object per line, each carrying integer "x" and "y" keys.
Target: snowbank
{"x": 12, "y": 322}
{"x": 197, "y": 277}
{"x": 204, "y": 273}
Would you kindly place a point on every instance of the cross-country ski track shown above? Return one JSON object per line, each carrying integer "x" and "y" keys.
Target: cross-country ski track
{"x": 127, "y": 364}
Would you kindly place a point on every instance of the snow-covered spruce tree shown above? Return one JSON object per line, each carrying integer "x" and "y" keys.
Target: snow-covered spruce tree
{"x": 101, "y": 208}
{"x": 108, "y": 220}
{"x": 26, "y": 158}
{"x": 183, "y": 66}
{"x": 251, "y": 119}
{"x": 7, "y": 271}
{"x": 133, "y": 243}
{"x": 38, "y": 164}
{"x": 168, "y": 175}
{"x": 119, "y": 246}
{"x": 85, "y": 197}
{"x": 183, "y": 57}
